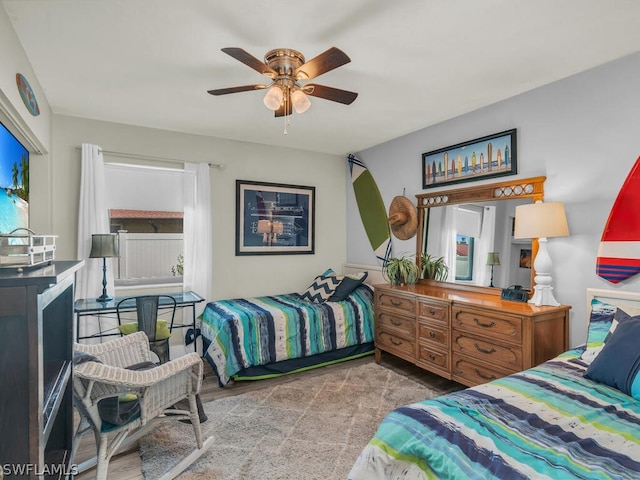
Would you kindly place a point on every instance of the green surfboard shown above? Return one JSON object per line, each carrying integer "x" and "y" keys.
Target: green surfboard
{"x": 371, "y": 207}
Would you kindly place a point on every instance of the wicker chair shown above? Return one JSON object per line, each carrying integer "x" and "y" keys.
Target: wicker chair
{"x": 164, "y": 392}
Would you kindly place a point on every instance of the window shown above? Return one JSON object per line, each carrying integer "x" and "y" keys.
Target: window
{"x": 468, "y": 229}
{"x": 146, "y": 210}
{"x": 464, "y": 257}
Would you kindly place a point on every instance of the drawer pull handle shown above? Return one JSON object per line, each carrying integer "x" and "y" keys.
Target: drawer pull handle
{"x": 485, "y": 325}
{"x": 432, "y": 334}
{"x": 432, "y": 357}
{"x": 432, "y": 311}
{"x": 397, "y": 323}
{"x": 395, "y": 342}
{"x": 490, "y": 377}
{"x": 395, "y": 303}
{"x": 482, "y": 350}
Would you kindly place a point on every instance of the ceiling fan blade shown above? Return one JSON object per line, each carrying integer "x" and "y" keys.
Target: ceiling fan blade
{"x": 330, "y": 93}
{"x": 323, "y": 63}
{"x": 251, "y": 61}
{"x": 281, "y": 112}
{"x": 242, "y": 88}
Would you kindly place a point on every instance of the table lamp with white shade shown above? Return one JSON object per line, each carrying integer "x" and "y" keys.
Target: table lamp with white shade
{"x": 541, "y": 220}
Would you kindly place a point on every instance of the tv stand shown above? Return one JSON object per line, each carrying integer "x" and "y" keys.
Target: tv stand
{"x": 36, "y": 354}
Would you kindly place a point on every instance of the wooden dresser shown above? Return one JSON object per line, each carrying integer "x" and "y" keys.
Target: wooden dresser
{"x": 466, "y": 336}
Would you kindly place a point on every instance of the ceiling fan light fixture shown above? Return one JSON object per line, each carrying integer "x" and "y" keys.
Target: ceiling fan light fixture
{"x": 273, "y": 99}
{"x": 286, "y": 68}
{"x": 300, "y": 101}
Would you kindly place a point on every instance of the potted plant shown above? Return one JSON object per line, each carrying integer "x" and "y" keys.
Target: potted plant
{"x": 401, "y": 271}
{"x": 434, "y": 268}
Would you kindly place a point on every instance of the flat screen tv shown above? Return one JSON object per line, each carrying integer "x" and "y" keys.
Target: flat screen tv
{"x": 14, "y": 183}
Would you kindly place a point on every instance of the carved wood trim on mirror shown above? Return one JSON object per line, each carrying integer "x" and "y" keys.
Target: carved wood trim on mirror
{"x": 523, "y": 188}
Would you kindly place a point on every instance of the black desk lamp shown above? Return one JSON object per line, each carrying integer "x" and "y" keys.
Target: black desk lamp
{"x": 493, "y": 259}
{"x": 104, "y": 245}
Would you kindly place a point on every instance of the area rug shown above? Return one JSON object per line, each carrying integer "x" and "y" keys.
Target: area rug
{"x": 307, "y": 429}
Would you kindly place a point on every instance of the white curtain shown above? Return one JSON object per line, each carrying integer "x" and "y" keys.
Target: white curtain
{"x": 198, "y": 257}
{"x": 485, "y": 244}
{"x": 449, "y": 232}
{"x": 93, "y": 218}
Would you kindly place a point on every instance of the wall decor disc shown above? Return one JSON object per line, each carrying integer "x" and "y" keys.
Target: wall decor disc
{"x": 28, "y": 97}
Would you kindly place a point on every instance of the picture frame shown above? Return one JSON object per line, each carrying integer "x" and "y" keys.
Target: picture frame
{"x": 525, "y": 258}
{"x": 274, "y": 218}
{"x": 486, "y": 157}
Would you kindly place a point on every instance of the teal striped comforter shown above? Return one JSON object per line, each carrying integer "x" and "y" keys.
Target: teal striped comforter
{"x": 246, "y": 332}
{"x": 548, "y": 422}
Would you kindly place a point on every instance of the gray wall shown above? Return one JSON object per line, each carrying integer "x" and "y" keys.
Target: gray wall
{"x": 33, "y": 131}
{"x": 582, "y": 133}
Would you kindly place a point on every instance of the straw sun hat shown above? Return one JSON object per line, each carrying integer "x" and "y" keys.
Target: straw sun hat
{"x": 403, "y": 218}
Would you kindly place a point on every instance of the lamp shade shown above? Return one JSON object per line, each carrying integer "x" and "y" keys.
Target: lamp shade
{"x": 264, "y": 226}
{"x": 104, "y": 245}
{"x": 493, "y": 258}
{"x": 300, "y": 101}
{"x": 273, "y": 99}
{"x": 278, "y": 227}
{"x": 540, "y": 220}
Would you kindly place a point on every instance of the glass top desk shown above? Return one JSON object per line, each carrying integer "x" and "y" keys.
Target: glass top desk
{"x": 86, "y": 307}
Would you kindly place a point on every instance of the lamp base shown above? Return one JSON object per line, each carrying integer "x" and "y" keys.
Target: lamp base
{"x": 543, "y": 295}
{"x": 543, "y": 291}
{"x": 104, "y": 298}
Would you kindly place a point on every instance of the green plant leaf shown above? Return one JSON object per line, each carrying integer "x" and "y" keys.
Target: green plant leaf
{"x": 434, "y": 268}
{"x": 403, "y": 270}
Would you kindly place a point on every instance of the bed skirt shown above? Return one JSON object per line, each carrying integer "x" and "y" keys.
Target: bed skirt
{"x": 295, "y": 365}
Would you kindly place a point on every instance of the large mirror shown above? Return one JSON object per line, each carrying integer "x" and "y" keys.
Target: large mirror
{"x": 471, "y": 229}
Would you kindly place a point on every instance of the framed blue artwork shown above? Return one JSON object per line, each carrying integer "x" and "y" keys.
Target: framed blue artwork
{"x": 274, "y": 219}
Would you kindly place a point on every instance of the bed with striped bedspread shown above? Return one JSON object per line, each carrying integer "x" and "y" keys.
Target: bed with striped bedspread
{"x": 548, "y": 422}
{"x": 247, "y": 332}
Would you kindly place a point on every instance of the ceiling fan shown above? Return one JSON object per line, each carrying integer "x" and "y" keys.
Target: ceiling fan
{"x": 287, "y": 69}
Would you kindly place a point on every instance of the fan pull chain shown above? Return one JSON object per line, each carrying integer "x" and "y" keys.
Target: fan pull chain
{"x": 286, "y": 115}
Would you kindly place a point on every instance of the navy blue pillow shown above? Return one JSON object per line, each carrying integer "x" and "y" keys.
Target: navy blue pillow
{"x": 347, "y": 285}
{"x": 618, "y": 363}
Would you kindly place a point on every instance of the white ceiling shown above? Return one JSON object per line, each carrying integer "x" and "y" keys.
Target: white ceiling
{"x": 414, "y": 62}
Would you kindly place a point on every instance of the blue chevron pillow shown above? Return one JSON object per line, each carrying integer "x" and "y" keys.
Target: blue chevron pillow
{"x": 321, "y": 289}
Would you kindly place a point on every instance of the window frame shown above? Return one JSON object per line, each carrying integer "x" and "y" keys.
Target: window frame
{"x": 470, "y": 256}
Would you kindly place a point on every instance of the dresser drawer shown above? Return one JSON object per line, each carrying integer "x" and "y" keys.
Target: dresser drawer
{"x": 470, "y": 372}
{"x": 434, "y": 311}
{"x": 396, "y": 302}
{"x": 396, "y": 322}
{"x": 493, "y": 325}
{"x": 433, "y": 357}
{"x": 506, "y": 356}
{"x": 395, "y": 344}
{"x": 432, "y": 333}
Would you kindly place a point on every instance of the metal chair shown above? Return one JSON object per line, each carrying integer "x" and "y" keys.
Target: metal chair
{"x": 166, "y": 392}
{"x": 147, "y": 321}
